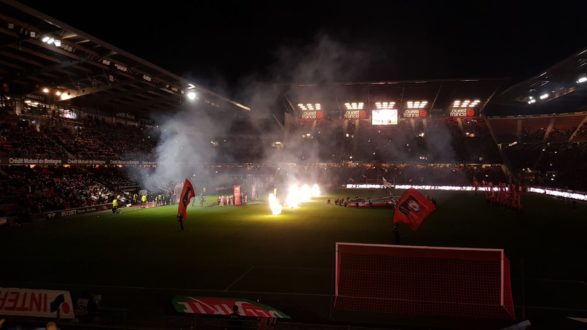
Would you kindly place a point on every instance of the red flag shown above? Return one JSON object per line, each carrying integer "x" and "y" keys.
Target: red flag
{"x": 412, "y": 209}
{"x": 187, "y": 193}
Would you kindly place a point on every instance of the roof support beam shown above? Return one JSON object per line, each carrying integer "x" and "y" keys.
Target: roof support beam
{"x": 548, "y": 129}
{"x": 578, "y": 129}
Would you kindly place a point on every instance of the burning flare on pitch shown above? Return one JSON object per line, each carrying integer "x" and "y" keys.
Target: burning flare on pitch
{"x": 315, "y": 190}
{"x": 295, "y": 196}
{"x": 274, "y": 205}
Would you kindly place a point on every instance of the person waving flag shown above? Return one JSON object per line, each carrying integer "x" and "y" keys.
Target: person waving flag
{"x": 412, "y": 209}
{"x": 187, "y": 193}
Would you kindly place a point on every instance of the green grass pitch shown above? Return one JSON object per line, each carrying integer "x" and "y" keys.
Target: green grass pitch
{"x": 286, "y": 260}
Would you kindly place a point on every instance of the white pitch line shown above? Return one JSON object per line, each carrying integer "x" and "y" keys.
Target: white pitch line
{"x": 239, "y": 278}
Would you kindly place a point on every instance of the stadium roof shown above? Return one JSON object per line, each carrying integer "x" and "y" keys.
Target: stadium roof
{"x": 560, "y": 88}
{"x": 42, "y": 55}
{"x": 439, "y": 95}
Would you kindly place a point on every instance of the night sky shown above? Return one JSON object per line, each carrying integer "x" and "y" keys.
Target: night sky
{"x": 224, "y": 42}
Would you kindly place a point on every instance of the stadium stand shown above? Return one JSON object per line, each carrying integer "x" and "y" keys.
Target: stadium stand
{"x": 547, "y": 152}
{"x": 95, "y": 139}
{"x": 52, "y": 188}
{"x": 444, "y": 132}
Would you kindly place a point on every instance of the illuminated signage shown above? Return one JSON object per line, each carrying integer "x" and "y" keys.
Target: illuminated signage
{"x": 312, "y": 115}
{"x": 462, "y": 112}
{"x": 415, "y": 113}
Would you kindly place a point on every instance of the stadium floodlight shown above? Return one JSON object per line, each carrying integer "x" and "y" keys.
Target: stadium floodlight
{"x": 531, "y": 101}
{"x": 46, "y": 90}
{"x": 385, "y": 105}
{"x": 417, "y": 104}
{"x": 458, "y": 104}
{"x": 544, "y": 96}
{"x": 191, "y": 95}
{"x": 582, "y": 79}
{"x": 51, "y": 41}
{"x": 310, "y": 106}
{"x": 354, "y": 105}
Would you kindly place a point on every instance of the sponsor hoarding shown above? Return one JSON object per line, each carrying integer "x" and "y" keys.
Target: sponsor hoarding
{"x": 36, "y": 303}
{"x": 223, "y": 306}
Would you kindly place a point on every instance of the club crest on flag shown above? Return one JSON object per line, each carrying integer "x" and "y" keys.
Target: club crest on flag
{"x": 412, "y": 209}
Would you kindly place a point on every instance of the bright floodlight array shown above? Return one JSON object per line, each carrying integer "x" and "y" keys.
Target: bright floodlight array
{"x": 542, "y": 97}
{"x": 385, "y": 105}
{"x": 417, "y": 104}
{"x": 58, "y": 93}
{"x": 51, "y": 41}
{"x": 310, "y": 106}
{"x": 354, "y": 105}
{"x": 545, "y": 95}
{"x": 465, "y": 103}
{"x": 191, "y": 95}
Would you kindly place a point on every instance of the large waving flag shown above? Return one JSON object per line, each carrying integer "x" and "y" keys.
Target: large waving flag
{"x": 412, "y": 209}
{"x": 187, "y": 193}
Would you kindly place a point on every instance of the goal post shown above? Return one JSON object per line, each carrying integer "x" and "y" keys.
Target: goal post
{"x": 423, "y": 280}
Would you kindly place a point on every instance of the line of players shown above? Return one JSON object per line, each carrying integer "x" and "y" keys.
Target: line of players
{"x": 230, "y": 200}
{"x": 508, "y": 195}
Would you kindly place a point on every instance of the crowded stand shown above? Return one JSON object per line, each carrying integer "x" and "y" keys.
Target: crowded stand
{"x": 52, "y": 188}
{"x": 96, "y": 139}
{"x": 433, "y": 140}
{"x": 23, "y": 138}
{"x": 90, "y": 138}
{"x": 550, "y": 151}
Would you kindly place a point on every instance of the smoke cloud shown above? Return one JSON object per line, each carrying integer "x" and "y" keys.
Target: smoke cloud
{"x": 187, "y": 138}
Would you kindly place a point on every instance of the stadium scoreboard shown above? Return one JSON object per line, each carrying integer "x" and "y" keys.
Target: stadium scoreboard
{"x": 384, "y": 117}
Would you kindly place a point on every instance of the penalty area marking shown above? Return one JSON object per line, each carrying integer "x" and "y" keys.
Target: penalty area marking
{"x": 239, "y": 278}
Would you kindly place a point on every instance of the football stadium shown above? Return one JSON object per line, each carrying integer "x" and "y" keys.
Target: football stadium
{"x": 133, "y": 197}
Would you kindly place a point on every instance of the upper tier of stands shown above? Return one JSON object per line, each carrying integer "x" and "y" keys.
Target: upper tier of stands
{"x": 431, "y": 140}
{"x": 90, "y": 139}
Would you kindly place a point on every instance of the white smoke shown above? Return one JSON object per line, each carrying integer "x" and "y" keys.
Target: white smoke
{"x": 185, "y": 138}
{"x": 184, "y": 146}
